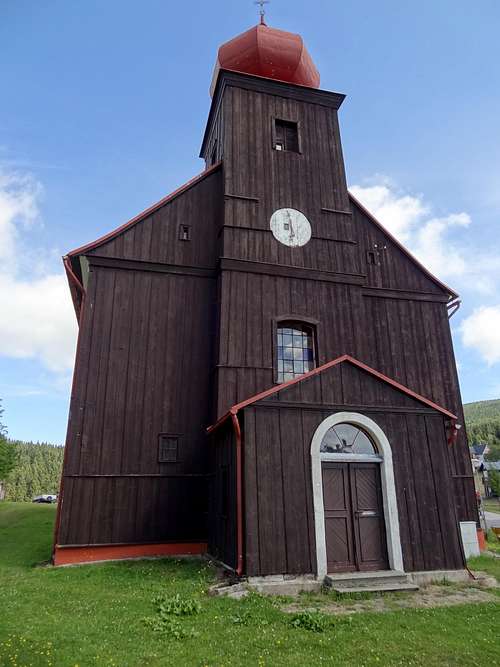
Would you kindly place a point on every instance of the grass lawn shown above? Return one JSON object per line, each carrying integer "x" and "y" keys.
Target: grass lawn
{"x": 492, "y": 542}
{"x": 94, "y": 615}
{"x": 492, "y": 505}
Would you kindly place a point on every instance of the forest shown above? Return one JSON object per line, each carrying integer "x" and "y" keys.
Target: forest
{"x": 27, "y": 469}
{"x": 482, "y": 420}
{"x": 37, "y": 470}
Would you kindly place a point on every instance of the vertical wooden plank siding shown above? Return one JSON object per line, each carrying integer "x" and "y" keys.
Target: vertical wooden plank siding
{"x": 175, "y": 332}
{"x": 223, "y": 502}
{"x": 277, "y": 442}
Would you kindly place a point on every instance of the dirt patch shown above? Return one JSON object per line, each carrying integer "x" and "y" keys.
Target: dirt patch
{"x": 427, "y": 597}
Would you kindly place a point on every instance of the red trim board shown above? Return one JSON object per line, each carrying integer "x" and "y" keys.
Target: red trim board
{"x": 89, "y": 554}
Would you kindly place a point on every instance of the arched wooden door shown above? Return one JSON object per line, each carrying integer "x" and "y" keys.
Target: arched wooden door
{"x": 356, "y": 519}
{"x": 354, "y": 516}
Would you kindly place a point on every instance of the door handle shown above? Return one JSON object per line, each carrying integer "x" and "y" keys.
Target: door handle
{"x": 365, "y": 513}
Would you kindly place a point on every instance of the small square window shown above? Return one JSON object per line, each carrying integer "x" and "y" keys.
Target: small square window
{"x": 184, "y": 232}
{"x": 168, "y": 448}
{"x": 286, "y": 136}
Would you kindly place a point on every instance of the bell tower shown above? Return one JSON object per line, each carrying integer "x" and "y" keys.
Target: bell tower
{"x": 286, "y": 218}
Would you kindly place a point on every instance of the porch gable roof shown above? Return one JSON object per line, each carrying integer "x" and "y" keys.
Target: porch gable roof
{"x": 345, "y": 358}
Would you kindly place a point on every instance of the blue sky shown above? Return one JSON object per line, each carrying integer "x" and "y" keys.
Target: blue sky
{"x": 103, "y": 109}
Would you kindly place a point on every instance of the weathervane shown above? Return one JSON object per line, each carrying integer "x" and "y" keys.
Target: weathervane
{"x": 262, "y": 11}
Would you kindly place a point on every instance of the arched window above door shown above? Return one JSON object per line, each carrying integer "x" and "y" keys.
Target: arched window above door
{"x": 348, "y": 439}
{"x": 295, "y": 349}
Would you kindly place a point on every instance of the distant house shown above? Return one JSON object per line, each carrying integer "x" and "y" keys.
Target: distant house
{"x": 477, "y": 453}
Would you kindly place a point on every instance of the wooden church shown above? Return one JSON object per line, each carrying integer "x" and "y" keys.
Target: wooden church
{"x": 264, "y": 374}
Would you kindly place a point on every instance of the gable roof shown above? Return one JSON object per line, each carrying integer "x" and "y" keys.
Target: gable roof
{"x": 144, "y": 214}
{"x": 345, "y": 358}
{"x": 479, "y": 448}
{"x": 355, "y": 202}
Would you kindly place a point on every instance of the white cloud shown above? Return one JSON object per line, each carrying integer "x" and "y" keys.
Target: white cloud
{"x": 36, "y": 316}
{"x": 432, "y": 245}
{"x": 398, "y": 213}
{"x": 429, "y": 238}
{"x": 481, "y": 331}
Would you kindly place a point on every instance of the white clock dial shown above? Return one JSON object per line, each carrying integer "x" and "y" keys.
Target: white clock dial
{"x": 290, "y": 227}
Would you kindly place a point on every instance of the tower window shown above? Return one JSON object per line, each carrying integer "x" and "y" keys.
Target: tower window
{"x": 286, "y": 136}
{"x": 184, "y": 232}
{"x": 168, "y": 448}
{"x": 295, "y": 346}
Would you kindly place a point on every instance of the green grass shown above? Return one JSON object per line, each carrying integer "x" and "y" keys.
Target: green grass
{"x": 492, "y": 505}
{"x": 486, "y": 563}
{"x": 94, "y": 615}
{"x": 492, "y": 542}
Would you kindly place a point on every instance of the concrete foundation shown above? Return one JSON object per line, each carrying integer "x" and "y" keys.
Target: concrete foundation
{"x": 435, "y": 576}
{"x": 279, "y": 584}
{"x": 292, "y": 585}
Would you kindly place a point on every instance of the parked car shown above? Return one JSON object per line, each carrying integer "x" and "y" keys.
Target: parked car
{"x": 46, "y": 498}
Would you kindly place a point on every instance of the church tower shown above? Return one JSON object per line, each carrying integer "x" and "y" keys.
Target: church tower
{"x": 263, "y": 372}
{"x": 282, "y": 162}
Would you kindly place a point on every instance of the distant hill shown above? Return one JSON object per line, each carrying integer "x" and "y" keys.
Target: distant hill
{"x": 482, "y": 410}
{"x": 483, "y": 425}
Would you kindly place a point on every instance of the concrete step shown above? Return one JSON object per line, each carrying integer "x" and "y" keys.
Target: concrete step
{"x": 357, "y": 582}
{"x": 375, "y": 588}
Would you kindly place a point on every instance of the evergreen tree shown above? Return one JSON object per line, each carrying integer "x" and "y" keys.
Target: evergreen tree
{"x": 494, "y": 481}
{"x": 483, "y": 426}
{"x": 38, "y": 470}
{"x": 7, "y": 455}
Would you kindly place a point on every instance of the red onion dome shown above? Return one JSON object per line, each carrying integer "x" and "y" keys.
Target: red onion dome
{"x": 274, "y": 54}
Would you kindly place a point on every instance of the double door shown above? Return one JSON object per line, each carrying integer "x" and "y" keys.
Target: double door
{"x": 354, "y": 517}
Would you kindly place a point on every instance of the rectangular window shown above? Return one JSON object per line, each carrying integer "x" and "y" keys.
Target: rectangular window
{"x": 168, "y": 448}
{"x": 286, "y": 134}
{"x": 184, "y": 233}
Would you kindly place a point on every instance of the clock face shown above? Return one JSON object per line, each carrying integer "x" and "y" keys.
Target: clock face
{"x": 290, "y": 227}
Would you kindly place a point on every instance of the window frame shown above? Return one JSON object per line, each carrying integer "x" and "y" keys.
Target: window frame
{"x": 376, "y": 457}
{"x": 275, "y": 135}
{"x": 177, "y": 437}
{"x": 183, "y": 227}
{"x": 277, "y": 322}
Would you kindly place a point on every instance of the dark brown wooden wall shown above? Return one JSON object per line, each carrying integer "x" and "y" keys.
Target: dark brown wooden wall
{"x": 222, "y": 497}
{"x": 392, "y": 269}
{"x": 156, "y": 237}
{"x": 404, "y": 339}
{"x": 279, "y": 517}
{"x": 143, "y": 368}
{"x": 174, "y": 332}
{"x": 311, "y": 182}
{"x": 392, "y": 315}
